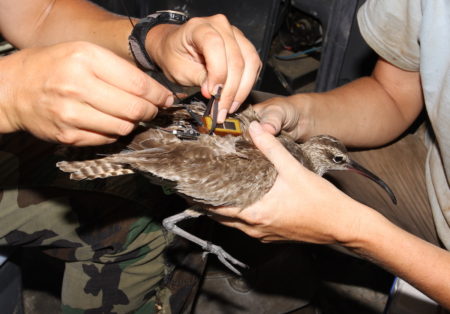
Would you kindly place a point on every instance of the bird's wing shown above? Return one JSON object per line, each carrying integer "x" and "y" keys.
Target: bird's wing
{"x": 218, "y": 179}
{"x": 212, "y": 170}
{"x": 149, "y": 141}
{"x": 151, "y": 138}
{"x": 93, "y": 169}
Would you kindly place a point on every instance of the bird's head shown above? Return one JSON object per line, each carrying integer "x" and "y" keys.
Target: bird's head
{"x": 326, "y": 153}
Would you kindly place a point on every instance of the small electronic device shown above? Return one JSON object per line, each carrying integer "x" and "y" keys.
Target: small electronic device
{"x": 230, "y": 126}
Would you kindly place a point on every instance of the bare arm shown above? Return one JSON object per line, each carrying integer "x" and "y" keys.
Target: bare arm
{"x": 368, "y": 112}
{"x": 425, "y": 266}
{"x": 54, "y": 21}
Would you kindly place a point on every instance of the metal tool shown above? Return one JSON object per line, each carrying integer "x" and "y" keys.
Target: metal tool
{"x": 213, "y": 105}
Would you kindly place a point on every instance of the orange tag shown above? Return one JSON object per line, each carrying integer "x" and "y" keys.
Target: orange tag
{"x": 230, "y": 126}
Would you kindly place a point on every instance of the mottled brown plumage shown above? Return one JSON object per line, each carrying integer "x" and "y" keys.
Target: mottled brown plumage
{"x": 210, "y": 170}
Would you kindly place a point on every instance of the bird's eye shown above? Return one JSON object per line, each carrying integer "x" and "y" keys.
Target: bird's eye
{"x": 338, "y": 159}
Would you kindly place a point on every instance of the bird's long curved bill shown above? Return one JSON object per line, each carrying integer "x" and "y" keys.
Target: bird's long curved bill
{"x": 354, "y": 166}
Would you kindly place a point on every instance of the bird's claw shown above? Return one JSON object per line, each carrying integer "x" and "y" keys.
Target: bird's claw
{"x": 209, "y": 248}
{"x": 224, "y": 257}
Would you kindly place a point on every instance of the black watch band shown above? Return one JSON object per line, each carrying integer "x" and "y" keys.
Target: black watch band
{"x": 137, "y": 37}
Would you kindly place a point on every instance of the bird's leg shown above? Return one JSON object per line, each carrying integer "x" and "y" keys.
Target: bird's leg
{"x": 170, "y": 224}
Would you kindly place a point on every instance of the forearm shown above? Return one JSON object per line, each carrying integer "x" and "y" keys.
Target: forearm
{"x": 422, "y": 264}
{"x": 51, "y": 22}
{"x": 368, "y": 112}
{"x": 359, "y": 114}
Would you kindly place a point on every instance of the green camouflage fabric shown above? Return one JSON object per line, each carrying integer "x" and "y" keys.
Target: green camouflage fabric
{"x": 108, "y": 232}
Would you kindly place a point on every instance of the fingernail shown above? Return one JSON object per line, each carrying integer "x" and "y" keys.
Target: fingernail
{"x": 269, "y": 127}
{"x": 255, "y": 128}
{"x": 222, "y": 115}
{"x": 216, "y": 89}
{"x": 234, "y": 106}
{"x": 169, "y": 101}
{"x": 181, "y": 95}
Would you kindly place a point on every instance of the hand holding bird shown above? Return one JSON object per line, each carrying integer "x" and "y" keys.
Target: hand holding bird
{"x": 300, "y": 206}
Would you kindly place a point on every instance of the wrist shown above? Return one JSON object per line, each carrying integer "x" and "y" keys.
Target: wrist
{"x": 8, "y": 115}
{"x": 368, "y": 229}
{"x": 156, "y": 42}
{"x": 303, "y": 108}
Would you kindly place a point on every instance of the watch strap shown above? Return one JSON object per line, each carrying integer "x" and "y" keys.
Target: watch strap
{"x": 138, "y": 36}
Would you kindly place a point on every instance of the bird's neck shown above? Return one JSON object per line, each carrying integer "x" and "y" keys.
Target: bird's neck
{"x": 298, "y": 151}
{"x": 312, "y": 159}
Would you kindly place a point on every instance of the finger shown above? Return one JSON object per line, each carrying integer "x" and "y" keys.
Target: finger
{"x": 210, "y": 44}
{"x": 121, "y": 104}
{"x": 77, "y": 137}
{"x": 181, "y": 95}
{"x": 283, "y": 161}
{"x": 223, "y": 58}
{"x": 235, "y": 74}
{"x": 251, "y": 70}
{"x": 270, "y": 128}
{"x": 116, "y": 71}
{"x": 75, "y": 115}
{"x": 271, "y": 118}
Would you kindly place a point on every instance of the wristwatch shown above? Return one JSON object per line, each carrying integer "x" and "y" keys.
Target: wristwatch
{"x": 137, "y": 38}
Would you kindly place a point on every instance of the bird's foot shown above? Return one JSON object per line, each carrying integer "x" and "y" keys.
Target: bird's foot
{"x": 170, "y": 223}
{"x": 223, "y": 256}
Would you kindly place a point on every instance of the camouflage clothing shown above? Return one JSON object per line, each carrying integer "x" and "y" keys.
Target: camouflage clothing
{"x": 113, "y": 247}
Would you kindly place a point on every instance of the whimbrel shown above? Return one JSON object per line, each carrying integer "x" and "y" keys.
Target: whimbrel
{"x": 210, "y": 170}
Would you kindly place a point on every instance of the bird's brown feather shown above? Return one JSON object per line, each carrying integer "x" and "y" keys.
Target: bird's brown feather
{"x": 212, "y": 170}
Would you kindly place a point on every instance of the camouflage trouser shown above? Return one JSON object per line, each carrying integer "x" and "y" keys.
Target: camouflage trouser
{"x": 113, "y": 247}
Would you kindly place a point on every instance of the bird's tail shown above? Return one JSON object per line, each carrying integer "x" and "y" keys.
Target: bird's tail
{"x": 92, "y": 169}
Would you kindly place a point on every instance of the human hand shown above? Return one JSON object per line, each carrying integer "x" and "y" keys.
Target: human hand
{"x": 283, "y": 114}
{"x": 76, "y": 93}
{"x": 207, "y": 52}
{"x": 300, "y": 206}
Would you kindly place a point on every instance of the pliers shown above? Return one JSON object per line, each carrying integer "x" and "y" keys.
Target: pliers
{"x": 213, "y": 104}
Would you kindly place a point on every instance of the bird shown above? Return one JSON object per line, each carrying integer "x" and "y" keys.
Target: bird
{"x": 210, "y": 170}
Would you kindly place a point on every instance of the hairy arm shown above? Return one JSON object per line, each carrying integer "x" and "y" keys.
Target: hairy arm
{"x": 55, "y": 21}
{"x": 368, "y": 112}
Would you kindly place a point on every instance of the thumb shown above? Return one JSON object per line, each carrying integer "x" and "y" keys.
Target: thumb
{"x": 271, "y": 119}
{"x": 283, "y": 161}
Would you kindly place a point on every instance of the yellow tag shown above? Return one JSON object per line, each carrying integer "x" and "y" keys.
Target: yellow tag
{"x": 229, "y": 126}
